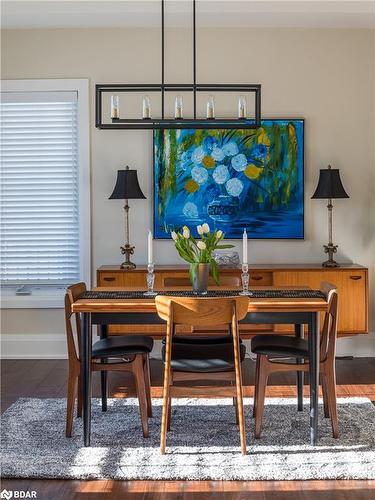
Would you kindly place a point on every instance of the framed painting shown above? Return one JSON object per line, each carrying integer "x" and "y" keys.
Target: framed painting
{"x": 232, "y": 179}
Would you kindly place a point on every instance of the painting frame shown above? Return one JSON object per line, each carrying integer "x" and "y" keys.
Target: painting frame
{"x": 301, "y": 237}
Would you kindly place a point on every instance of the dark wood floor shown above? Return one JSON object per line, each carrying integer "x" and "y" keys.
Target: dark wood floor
{"x": 47, "y": 378}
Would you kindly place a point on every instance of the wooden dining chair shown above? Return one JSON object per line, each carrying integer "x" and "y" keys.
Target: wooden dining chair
{"x": 271, "y": 348}
{"x": 213, "y": 361}
{"x": 128, "y": 354}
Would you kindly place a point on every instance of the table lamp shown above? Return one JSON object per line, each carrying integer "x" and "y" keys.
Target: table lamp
{"x": 127, "y": 188}
{"x": 330, "y": 186}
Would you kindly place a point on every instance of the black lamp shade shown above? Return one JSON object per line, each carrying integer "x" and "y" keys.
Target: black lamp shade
{"x": 330, "y": 185}
{"x": 127, "y": 186}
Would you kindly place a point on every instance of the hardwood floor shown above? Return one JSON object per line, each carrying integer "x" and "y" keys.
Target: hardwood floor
{"x": 47, "y": 378}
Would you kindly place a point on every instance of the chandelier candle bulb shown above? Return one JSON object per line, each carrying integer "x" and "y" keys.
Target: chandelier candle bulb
{"x": 244, "y": 247}
{"x": 115, "y": 107}
{"x": 146, "y": 108}
{"x": 178, "y": 107}
{"x": 210, "y": 108}
{"x": 242, "y": 107}
{"x": 150, "y": 248}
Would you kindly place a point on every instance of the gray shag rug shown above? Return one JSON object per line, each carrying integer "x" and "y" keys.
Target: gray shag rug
{"x": 203, "y": 443}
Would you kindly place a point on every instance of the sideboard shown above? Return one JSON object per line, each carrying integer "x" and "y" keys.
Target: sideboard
{"x": 351, "y": 281}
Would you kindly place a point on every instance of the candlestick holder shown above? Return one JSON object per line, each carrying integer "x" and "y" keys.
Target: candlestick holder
{"x": 245, "y": 280}
{"x": 150, "y": 281}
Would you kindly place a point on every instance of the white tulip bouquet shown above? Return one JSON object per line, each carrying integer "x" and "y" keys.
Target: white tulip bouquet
{"x": 199, "y": 251}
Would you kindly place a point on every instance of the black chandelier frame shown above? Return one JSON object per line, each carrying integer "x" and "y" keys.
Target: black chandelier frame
{"x": 162, "y": 88}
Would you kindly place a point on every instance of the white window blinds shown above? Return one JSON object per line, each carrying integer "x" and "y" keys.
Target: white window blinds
{"x": 39, "y": 188}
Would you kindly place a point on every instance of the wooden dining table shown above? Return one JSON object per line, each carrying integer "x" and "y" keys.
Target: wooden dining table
{"x": 290, "y": 311}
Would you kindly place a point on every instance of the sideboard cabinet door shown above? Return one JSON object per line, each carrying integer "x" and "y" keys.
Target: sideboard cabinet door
{"x": 352, "y": 289}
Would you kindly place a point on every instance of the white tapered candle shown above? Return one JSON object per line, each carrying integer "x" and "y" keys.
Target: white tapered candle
{"x": 115, "y": 106}
{"x": 149, "y": 247}
{"x": 244, "y": 247}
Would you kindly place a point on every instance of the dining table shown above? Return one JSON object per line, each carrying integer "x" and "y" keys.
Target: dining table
{"x": 105, "y": 306}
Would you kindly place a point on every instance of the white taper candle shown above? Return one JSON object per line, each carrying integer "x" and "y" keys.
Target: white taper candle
{"x": 115, "y": 106}
{"x": 244, "y": 247}
{"x": 149, "y": 247}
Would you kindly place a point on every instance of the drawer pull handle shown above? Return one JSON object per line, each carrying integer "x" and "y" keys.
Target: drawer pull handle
{"x": 355, "y": 277}
{"x": 109, "y": 279}
{"x": 256, "y": 278}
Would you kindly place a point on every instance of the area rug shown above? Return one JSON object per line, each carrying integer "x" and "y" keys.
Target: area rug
{"x": 203, "y": 443}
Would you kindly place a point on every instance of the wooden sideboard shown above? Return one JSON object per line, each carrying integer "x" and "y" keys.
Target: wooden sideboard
{"x": 351, "y": 281}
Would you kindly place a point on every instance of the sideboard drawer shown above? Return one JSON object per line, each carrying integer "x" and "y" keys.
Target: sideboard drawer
{"x": 110, "y": 279}
{"x": 126, "y": 278}
{"x": 170, "y": 280}
{"x": 260, "y": 278}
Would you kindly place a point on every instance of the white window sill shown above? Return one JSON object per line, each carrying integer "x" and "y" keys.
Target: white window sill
{"x": 40, "y": 298}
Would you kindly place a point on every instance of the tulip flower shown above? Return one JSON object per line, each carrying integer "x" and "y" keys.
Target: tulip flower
{"x": 186, "y": 232}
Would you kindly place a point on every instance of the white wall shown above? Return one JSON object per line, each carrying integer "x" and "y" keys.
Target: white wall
{"x": 323, "y": 75}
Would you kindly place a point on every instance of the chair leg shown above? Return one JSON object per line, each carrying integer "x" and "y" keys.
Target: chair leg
{"x": 260, "y": 395}
{"x": 325, "y": 395}
{"x": 235, "y": 404}
{"x": 72, "y": 390}
{"x": 256, "y": 383}
{"x": 332, "y": 404}
{"x": 104, "y": 388}
{"x": 300, "y": 377}
{"x": 148, "y": 384}
{"x": 299, "y": 333}
{"x": 141, "y": 392}
{"x": 169, "y": 414}
{"x": 241, "y": 416}
{"x": 164, "y": 418}
{"x": 79, "y": 398}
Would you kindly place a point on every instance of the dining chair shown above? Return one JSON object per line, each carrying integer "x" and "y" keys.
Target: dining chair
{"x": 209, "y": 361}
{"x": 118, "y": 353}
{"x": 272, "y": 349}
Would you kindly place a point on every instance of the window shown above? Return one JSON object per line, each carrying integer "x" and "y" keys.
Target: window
{"x": 44, "y": 189}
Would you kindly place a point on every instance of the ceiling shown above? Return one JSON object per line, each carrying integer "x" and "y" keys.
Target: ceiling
{"x": 210, "y": 13}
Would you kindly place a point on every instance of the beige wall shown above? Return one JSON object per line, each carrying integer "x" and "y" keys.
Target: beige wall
{"x": 323, "y": 75}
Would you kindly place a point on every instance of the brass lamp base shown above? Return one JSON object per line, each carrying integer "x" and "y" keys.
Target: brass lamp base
{"x": 128, "y": 265}
{"x": 127, "y": 250}
{"x": 330, "y": 249}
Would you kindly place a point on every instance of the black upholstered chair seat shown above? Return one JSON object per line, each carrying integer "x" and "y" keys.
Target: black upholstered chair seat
{"x": 280, "y": 345}
{"x": 204, "y": 355}
{"x": 122, "y": 346}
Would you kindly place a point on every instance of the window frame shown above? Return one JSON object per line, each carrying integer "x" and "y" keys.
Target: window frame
{"x": 53, "y": 297}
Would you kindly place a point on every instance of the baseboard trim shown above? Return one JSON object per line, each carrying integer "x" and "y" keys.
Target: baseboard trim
{"x": 33, "y": 346}
{"x": 53, "y": 346}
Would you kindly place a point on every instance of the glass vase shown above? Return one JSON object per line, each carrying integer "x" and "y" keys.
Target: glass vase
{"x": 199, "y": 277}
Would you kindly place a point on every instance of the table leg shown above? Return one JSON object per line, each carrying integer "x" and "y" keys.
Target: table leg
{"x": 314, "y": 333}
{"x": 299, "y": 334}
{"x": 103, "y": 374}
{"x": 86, "y": 375}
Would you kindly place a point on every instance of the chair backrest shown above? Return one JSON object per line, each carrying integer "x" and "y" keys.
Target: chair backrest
{"x": 329, "y": 331}
{"x": 72, "y": 294}
{"x": 200, "y": 311}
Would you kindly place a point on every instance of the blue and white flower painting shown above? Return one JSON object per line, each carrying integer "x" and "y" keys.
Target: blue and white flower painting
{"x": 233, "y": 179}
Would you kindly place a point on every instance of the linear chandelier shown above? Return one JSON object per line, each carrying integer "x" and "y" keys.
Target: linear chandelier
{"x": 147, "y": 121}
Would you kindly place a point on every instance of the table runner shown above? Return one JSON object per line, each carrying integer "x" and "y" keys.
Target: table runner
{"x": 254, "y": 294}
